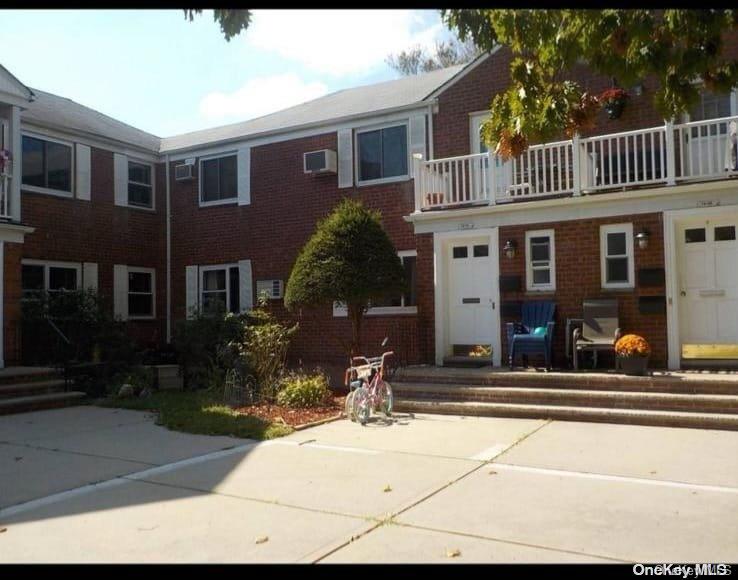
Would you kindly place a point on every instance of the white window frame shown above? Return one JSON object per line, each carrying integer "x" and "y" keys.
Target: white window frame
{"x": 152, "y": 207}
{"x": 202, "y": 270}
{"x": 47, "y": 265}
{"x": 357, "y": 162}
{"x": 72, "y": 172}
{"x": 551, "y": 286}
{"x": 231, "y": 200}
{"x": 627, "y": 229}
{"x": 151, "y": 271}
{"x": 475, "y": 123}
{"x": 340, "y": 310}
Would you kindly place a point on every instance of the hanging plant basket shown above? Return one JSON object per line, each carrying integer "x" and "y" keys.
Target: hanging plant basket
{"x": 613, "y": 101}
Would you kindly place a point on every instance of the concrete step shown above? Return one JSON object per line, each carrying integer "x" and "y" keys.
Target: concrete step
{"x": 568, "y": 413}
{"x": 33, "y": 388}
{"x": 40, "y": 402}
{"x": 690, "y": 402}
{"x": 658, "y": 383}
{"x": 12, "y": 375}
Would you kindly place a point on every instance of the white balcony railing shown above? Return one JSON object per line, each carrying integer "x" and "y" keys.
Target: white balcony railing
{"x": 662, "y": 155}
{"x": 5, "y": 181}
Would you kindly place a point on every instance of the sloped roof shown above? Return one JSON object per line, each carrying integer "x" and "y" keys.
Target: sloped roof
{"x": 11, "y": 85}
{"x": 351, "y": 102}
{"x": 54, "y": 111}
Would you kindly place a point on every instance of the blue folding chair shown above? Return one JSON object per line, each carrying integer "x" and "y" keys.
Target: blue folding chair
{"x": 534, "y": 335}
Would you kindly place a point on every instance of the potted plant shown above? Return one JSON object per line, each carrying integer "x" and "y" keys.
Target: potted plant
{"x": 613, "y": 101}
{"x": 633, "y": 352}
{"x": 5, "y": 157}
{"x": 582, "y": 114}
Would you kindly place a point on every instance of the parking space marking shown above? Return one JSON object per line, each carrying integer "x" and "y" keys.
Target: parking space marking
{"x": 620, "y": 478}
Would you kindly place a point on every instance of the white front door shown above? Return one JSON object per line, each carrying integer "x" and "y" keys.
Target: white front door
{"x": 472, "y": 296}
{"x": 708, "y": 287}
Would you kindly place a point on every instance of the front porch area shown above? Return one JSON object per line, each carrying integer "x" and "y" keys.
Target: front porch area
{"x": 697, "y": 399}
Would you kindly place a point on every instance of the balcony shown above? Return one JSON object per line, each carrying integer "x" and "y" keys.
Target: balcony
{"x": 658, "y": 156}
{"x": 5, "y": 182}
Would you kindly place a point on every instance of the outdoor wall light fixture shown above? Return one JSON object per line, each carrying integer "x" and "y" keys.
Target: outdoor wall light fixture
{"x": 642, "y": 238}
{"x": 509, "y": 249}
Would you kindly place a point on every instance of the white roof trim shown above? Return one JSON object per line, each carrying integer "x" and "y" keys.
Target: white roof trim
{"x": 11, "y": 85}
{"x": 462, "y": 73}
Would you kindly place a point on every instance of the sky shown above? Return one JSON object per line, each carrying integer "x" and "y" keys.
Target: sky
{"x": 163, "y": 74}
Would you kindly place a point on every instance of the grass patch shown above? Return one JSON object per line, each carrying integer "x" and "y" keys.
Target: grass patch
{"x": 199, "y": 412}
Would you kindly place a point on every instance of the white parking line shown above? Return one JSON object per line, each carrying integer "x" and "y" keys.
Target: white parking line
{"x": 490, "y": 453}
{"x": 621, "y": 478}
{"x": 327, "y": 447}
{"x": 139, "y": 475}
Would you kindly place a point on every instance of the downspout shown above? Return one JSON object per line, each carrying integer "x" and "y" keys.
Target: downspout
{"x": 430, "y": 131}
{"x": 169, "y": 258}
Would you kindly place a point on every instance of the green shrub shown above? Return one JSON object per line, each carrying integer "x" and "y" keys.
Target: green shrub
{"x": 301, "y": 390}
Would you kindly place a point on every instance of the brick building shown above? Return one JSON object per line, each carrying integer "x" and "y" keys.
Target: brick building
{"x": 164, "y": 226}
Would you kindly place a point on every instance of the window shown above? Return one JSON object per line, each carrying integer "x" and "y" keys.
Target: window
{"x": 711, "y": 106}
{"x": 694, "y": 235}
{"x": 141, "y": 284}
{"x": 382, "y": 153}
{"x": 540, "y": 259}
{"x": 47, "y": 165}
{"x": 52, "y": 277}
{"x": 219, "y": 289}
{"x": 616, "y": 256}
{"x": 140, "y": 188}
{"x": 273, "y": 288}
{"x": 218, "y": 179}
{"x": 402, "y": 303}
{"x": 724, "y": 233}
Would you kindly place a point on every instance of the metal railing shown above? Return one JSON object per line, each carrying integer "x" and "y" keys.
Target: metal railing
{"x": 664, "y": 155}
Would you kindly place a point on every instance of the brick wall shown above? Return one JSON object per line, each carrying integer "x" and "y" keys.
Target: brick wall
{"x": 11, "y": 302}
{"x": 577, "y": 245}
{"x": 285, "y": 206}
{"x": 74, "y": 230}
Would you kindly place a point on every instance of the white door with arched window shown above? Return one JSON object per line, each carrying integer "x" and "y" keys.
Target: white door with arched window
{"x": 503, "y": 171}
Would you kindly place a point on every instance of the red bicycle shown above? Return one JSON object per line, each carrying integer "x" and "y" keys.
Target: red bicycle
{"x": 368, "y": 389}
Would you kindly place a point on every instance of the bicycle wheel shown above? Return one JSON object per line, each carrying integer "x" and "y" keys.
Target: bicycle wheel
{"x": 349, "y": 406}
{"x": 386, "y": 398}
{"x": 361, "y": 407}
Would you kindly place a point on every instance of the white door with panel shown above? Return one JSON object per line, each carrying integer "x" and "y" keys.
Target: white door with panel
{"x": 473, "y": 290}
{"x": 708, "y": 287}
{"x": 706, "y": 144}
{"x": 503, "y": 171}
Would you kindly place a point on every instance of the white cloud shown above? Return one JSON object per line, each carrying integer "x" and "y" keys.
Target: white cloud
{"x": 260, "y": 96}
{"x": 341, "y": 42}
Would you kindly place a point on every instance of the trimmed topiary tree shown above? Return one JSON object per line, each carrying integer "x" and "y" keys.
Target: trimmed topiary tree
{"x": 349, "y": 259}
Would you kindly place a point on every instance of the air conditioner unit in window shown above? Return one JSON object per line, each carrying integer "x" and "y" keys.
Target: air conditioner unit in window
{"x": 323, "y": 161}
{"x": 273, "y": 288}
{"x": 185, "y": 170}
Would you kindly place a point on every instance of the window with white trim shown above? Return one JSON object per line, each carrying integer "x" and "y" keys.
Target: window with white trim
{"x": 616, "y": 256}
{"x": 219, "y": 289}
{"x": 140, "y": 184}
{"x": 46, "y": 165}
{"x": 218, "y": 179}
{"x": 51, "y": 277}
{"x": 382, "y": 153}
{"x": 540, "y": 260}
{"x": 141, "y": 292}
{"x": 404, "y": 303}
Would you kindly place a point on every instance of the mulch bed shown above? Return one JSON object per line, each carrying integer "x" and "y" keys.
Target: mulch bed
{"x": 294, "y": 417}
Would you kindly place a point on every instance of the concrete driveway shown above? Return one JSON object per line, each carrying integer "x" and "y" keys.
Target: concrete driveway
{"x": 101, "y": 485}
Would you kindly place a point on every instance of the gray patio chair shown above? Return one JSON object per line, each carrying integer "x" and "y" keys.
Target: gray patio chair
{"x": 600, "y": 328}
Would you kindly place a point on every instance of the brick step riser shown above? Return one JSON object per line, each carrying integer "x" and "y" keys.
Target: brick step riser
{"x": 32, "y": 378}
{"x": 27, "y": 391}
{"x": 542, "y": 382}
{"x": 723, "y": 407}
{"x": 727, "y": 422}
{"x": 44, "y": 406}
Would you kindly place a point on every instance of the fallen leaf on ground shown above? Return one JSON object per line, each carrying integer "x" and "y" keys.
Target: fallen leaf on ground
{"x": 493, "y": 472}
{"x": 387, "y": 488}
{"x": 3, "y": 530}
{"x": 455, "y": 552}
{"x": 261, "y": 539}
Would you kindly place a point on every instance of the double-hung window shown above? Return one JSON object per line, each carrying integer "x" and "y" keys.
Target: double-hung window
{"x": 140, "y": 185}
{"x": 141, "y": 284}
{"x": 52, "y": 277}
{"x": 540, "y": 259}
{"x": 218, "y": 179}
{"x": 47, "y": 166}
{"x": 401, "y": 303}
{"x": 382, "y": 153}
{"x": 616, "y": 256}
{"x": 219, "y": 289}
